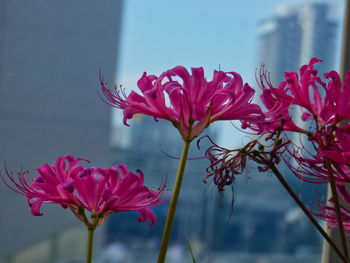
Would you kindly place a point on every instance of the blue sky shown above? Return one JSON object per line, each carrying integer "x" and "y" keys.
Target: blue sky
{"x": 160, "y": 34}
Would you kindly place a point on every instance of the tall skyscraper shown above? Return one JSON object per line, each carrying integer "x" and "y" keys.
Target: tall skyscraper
{"x": 50, "y": 55}
{"x": 292, "y": 37}
{"x": 295, "y": 35}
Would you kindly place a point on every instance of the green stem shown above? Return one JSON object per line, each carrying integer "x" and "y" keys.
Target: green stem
{"x": 173, "y": 203}
{"x": 90, "y": 242}
{"x": 337, "y": 207}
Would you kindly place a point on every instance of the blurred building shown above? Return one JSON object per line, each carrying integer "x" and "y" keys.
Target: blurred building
{"x": 155, "y": 148}
{"x": 294, "y": 35}
{"x": 50, "y": 55}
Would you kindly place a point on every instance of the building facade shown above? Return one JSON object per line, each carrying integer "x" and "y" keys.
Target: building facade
{"x": 294, "y": 35}
{"x": 50, "y": 55}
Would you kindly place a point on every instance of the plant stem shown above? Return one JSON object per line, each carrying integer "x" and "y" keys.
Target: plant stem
{"x": 337, "y": 207}
{"x": 173, "y": 203}
{"x": 90, "y": 242}
{"x": 307, "y": 212}
{"x": 191, "y": 252}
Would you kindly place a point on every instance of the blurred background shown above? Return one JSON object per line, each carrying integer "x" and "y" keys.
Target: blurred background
{"x": 50, "y": 55}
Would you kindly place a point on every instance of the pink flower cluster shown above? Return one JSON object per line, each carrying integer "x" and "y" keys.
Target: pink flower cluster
{"x": 190, "y": 102}
{"x": 325, "y": 107}
{"x": 101, "y": 191}
{"x": 323, "y": 101}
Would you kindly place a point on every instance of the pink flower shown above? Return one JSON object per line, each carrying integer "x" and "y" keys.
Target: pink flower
{"x": 328, "y": 213}
{"x": 325, "y": 105}
{"x": 339, "y": 149}
{"x": 278, "y": 104}
{"x": 300, "y": 89}
{"x": 101, "y": 191}
{"x": 325, "y": 100}
{"x": 190, "y": 102}
{"x": 311, "y": 170}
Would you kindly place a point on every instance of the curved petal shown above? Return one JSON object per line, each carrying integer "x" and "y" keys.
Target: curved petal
{"x": 147, "y": 214}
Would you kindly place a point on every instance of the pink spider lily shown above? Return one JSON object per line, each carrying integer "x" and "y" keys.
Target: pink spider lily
{"x": 339, "y": 150}
{"x": 325, "y": 100}
{"x": 278, "y": 104}
{"x": 300, "y": 88}
{"x": 101, "y": 191}
{"x": 328, "y": 213}
{"x": 325, "y": 104}
{"x": 310, "y": 170}
{"x": 190, "y": 102}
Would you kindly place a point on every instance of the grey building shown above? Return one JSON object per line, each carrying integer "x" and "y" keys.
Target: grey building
{"x": 294, "y": 35}
{"x": 50, "y": 55}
